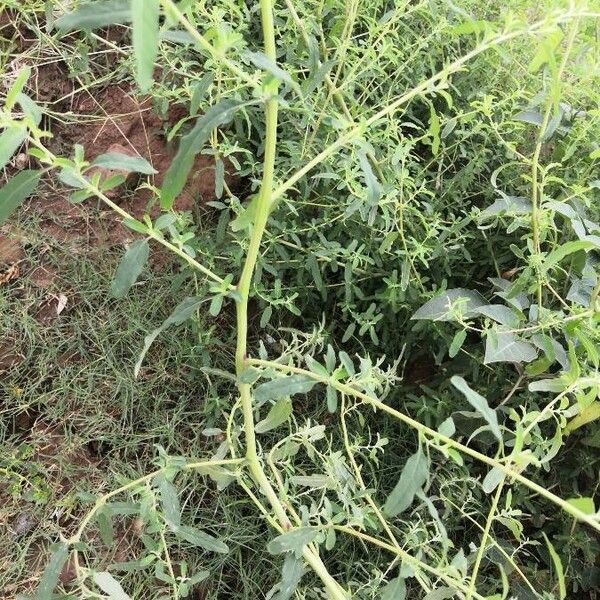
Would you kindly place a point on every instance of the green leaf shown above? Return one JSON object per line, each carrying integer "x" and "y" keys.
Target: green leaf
{"x": 190, "y": 145}
{"x": 169, "y": 500}
{"x": 109, "y": 585}
{"x": 279, "y": 414}
{"x": 105, "y": 526}
{"x": 563, "y": 251}
{"x": 258, "y": 59}
{"x": 122, "y": 162}
{"x": 499, "y": 313}
{"x": 394, "y": 590}
{"x": 585, "y": 505}
{"x": 291, "y": 574}
{"x": 145, "y": 15}
{"x": 457, "y": 341}
{"x": 492, "y": 480}
{"x": 30, "y": 108}
{"x": 182, "y": 312}
{"x": 413, "y": 476}
{"x": 371, "y": 181}
{"x": 479, "y": 403}
{"x": 130, "y": 268}
{"x": 16, "y": 190}
{"x": 332, "y": 399}
{"x": 201, "y": 539}
{"x": 507, "y": 347}
{"x": 558, "y": 568}
{"x": 16, "y": 88}
{"x": 52, "y": 572}
{"x": 440, "y": 307}
{"x": 10, "y": 140}
{"x": 283, "y": 386}
{"x": 200, "y": 91}
{"x": 447, "y": 427}
{"x": 96, "y": 14}
{"x": 293, "y": 541}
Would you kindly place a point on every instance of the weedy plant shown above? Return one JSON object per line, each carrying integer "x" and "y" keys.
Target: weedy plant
{"x": 420, "y": 183}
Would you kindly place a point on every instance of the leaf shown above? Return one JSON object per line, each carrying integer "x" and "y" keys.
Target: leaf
{"x": 558, "y": 568}
{"x": 10, "y": 140}
{"x": 260, "y": 60}
{"x": 105, "y": 526}
{"x": 200, "y": 91}
{"x": 291, "y": 574}
{"x": 438, "y": 308}
{"x": 30, "y": 108}
{"x": 201, "y": 539}
{"x": 182, "y": 312}
{"x": 413, "y": 476}
{"x": 532, "y": 116}
{"x": 511, "y": 205}
{"x": 283, "y": 386}
{"x": 96, "y": 14}
{"x": 394, "y": 590}
{"x": 130, "y": 268}
{"x": 190, "y": 145}
{"x": 16, "y": 88}
{"x": 371, "y": 181}
{"x": 145, "y": 15}
{"x": 123, "y": 162}
{"x": 492, "y": 480}
{"x": 447, "y": 427}
{"x": 499, "y": 313}
{"x": 16, "y": 190}
{"x": 507, "y": 347}
{"x": 479, "y": 403}
{"x": 109, "y": 585}
{"x": 293, "y": 541}
{"x": 459, "y": 338}
{"x": 588, "y": 415}
{"x": 51, "y": 574}
{"x": 585, "y": 505}
{"x": 563, "y": 251}
{"x": 169, "y": 500}
{"x": 278, "y": 415}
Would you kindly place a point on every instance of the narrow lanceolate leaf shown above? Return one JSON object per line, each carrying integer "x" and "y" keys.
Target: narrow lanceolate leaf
{"x": 51, "y": 573}
{"x": 201, "y": 539}
{"x": 279, "y": 414}
{"x": 479, "y": 403}
{"x": 123, "y": 162}
{"x": 292, "y": 541}
{"x": 96, "y": 14}
{"x": 558, "y": 568}
{"x": 10, "y": 140}
{"x": 130, "y": 268}
{"x": 145, "y": 15}
{"x": 110, "y": 586}
{"x": 169, "y": 500}
{"x": 507, "y": 347}
{"x": 563, "y": 251}
{"x": 16, "y": 190}
{"x": 413, "y": 476}
{"x": 190, "y": 145}
{"x": 441, "y": 307}
{"x": 283, "y": 386}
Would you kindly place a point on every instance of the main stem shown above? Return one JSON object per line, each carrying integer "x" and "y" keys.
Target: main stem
{"x": 264, "y": 201}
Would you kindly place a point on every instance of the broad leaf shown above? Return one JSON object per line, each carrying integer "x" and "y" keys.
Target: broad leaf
{"x": 563, "y": 251}
{"x": 278, "y": 415}
{"x": 500, "y": 313}
{"x": 492, "y": 480}
{"x": 503, "y": 346}
{"x": 479, "y": 403}
{"x": 122, "y": 162}
{"x": 110, "y": 586}
{"x": 52, "y": 572}
{"x": 10, "y": 140}
{"x": 440, "y": 307}
{"x": 585, "y": 505}
{"x": 203, "y": 540}
{"x": 394, "y": 590}
{"x": 511, "y": 205}
{"x": 130, "y": 268}
{"x": 145, "y": 15}
{"x": 413, "y": 476}
{"x": 293, "y": 541}
{"x": 291, "y": 574}
{"x": 283, "y": 386}
{"x": 190, "y": 145}
{"x": 96, "y": 14}
{"x": 16, "y": 191}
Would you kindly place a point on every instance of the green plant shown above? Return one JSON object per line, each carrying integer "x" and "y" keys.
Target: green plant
{"x": 398, "y": 187}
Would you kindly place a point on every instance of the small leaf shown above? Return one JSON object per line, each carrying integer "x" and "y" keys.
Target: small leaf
{"x": 563, "y": 251}
{"x": 558, "y": 568}
{"x": 293, "y": 541}
{"x": 278, "y": 415}
{"x": 96, "y": 14}
{"x": 332, "y": 399}
{"x": 492, "y": 480}
{"x": 123, "y": 162}
{"x": 105, "y": 526}
{"x": 507, "y": 347}
{"x": 16, "y": 190}
{"x": 283, "y": 386}
{"x": 145, "y": 15}
{"x": 200, "y": 91}
{"x": 439, "y": 308}
{"x": 169, "y": 500}
{"x": 201, "y": 539}
{"x": 258, "y": 59}
{"x": 371, "y": 181}
{"x": 109, "y": 585}
{"x": 10, "y": 140}
{"x": 394, "y": 590}
{"x": 588, "y": 415}
{"x": 585, "y": 505}
{"x": 447, "y": 427}
{"x": 533, "y": 117}
{"x": 190, "y": 145}
{"x": 413, "y": 476}
{"x": 52, "y": 572}
{"x": 459, "y": 339}
{"x": 479, "y": 403}
{"x": 291, "y": 574}
{"x": 130, "y": 268}
{"x": 510, "y": 205}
